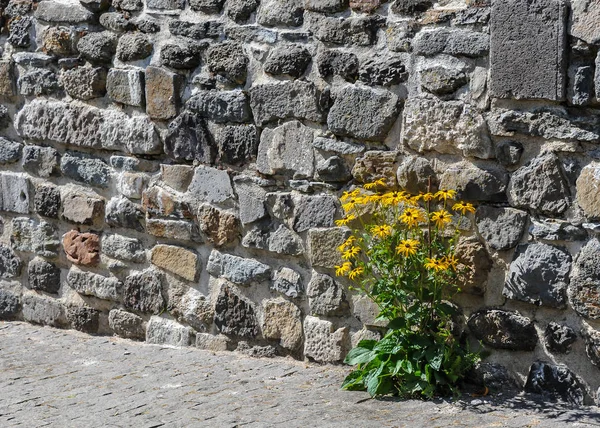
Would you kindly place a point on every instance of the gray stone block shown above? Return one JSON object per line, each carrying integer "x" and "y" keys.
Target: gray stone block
{"x": 14, "y": 193}
{"x": 93, "y": 284}
{"x": 45, "y": 311}
{"x": 237, "y": 269}
{"x": 125, "y": 86}
{"x": 162, "y": 331}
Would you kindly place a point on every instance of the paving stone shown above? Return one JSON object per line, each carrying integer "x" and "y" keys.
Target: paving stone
{"x": 14, "y": 193}
{"x": 36, "y": 237}
{"x": 236, "y": 269}
{"x": 142, "y": 292}
{"x": 501, "y": 228}
{"x": 539, "y": 274}
{"x": 211, "y": 185}
{"x": 540, "y": 186}
{"x": 98, "y": 47}
{"x": 121, "y": 212}
{"x": 326, "y": 297}
{"x": 221, "y": 106}
{"x": 503, "y": 329}
{"x": 163, "y": 331}
{"x": 177, "y": 260}
{"x": 77, "y": 206}
{"x": 82, "y": 248}
{"x": 133, "y": 47}
{"x": 220, "y": 227}
{"x": 363, "y": 113}
{"x": 287, "y": 150}
{"x": 284, "y": 241}
{"x": 42, "y": 310}
{"x": 282, "y": 321}
{"x": 274, "y": 13}
{"x": 285, "y": 100}
{"x": 532, "y": 64}
{"x": 51, "y": 11}
{"x": 323, "y": 246}
{"x": 476, "y": 184}
{"x": 336, "y": 63}
{"x": 162, "y": 93}
{"x": 84, "y": 83}
{"x": 10, "y": 304}
{"x": 123, "y": 248}
{"x": 10, "y": 263}
{"x": 291, "y": 60}
{"x": 559, "y": 337}
{"x": 555, "y": 381}
{"x": 234, "y": 315}
{"x": 126, "y": 324}
{"x": 288, "y": 282}
{"x": 10, "y": 151}
{"x": 322, "y": 342}
{"x": 125, "y": 86}
{"x": 445, "y": 127}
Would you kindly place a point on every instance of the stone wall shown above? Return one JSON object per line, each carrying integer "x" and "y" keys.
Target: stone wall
{"x": 169, "y": 169}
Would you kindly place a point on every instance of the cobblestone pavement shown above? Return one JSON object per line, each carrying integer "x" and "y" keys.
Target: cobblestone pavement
{"x": 68, "y": 379}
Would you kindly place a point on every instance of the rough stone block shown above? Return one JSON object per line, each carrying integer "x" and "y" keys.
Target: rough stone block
{"x": 84, "y": 83}
{"x": 180, "y": 230}
{"x": 82, "y": 248}
{"x": 83, "y": 318}
{"x": 126, "y": 86}
{"x": 10, "y": 304}
{"x": 121, "y": 212}
{"x": 313, "y": 211}
{"x": 528, "y": 47}
{"x": 123, "y": 248}
{"x": 93, "y": 284}
{"x": 502, "y": 228}
{"x": 211, "y": 185}
{"x": 67, "y": 13}
{"x": 555, "y": 381}
{"x": 584, "y": 20}
{"x": 36, "y": 237}
{"x": 210, "y": 342}
{"x": 80, "y": 207}
{"x": 126, "y": 324}
{"x": 323, "y": 246}
{"x": 45, "y": 311}
{"x": 162, "y": 93}
{"x": 451, "y": 41}
{"x": 503, "y": 329}
{"x": 475, "y": 184}
{"x": 274, "y": 13}
{"x": 143, "y": 292}
{"x": 177, "y": 260}
{"x": 228, "y": 60}
{"x": 588, "y": 196}
{"x": 162, "y": 331}
{"x": 220, "y": 227}
{"x": 10, "y": 263}
{"x": 235, "y": 315}
{"x": 325, "y": 296}
{"x": 133, "y": 47}
{"x": 221, "y": 106}
{"x": 282, "y": 320}
{"x": 14, "y": 193}
{"x": 583, "y": 289}
{"x": 7, "y": 78}
{"x": 322, "y": 342}
{"x": 237, "y": 269}
{"x": 10, "y": 151}
{"x": 46, "y": 201}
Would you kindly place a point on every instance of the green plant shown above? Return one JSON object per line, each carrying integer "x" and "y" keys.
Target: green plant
{"x": 402, "y": 255}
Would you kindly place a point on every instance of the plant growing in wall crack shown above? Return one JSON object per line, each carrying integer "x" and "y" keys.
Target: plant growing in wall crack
{"x": 401, "y": 254}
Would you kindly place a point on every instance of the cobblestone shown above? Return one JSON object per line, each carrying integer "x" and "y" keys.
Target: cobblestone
{"x": 61, "y": 378}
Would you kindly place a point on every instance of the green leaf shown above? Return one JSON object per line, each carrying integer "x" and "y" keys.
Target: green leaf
{"x": 368, "y": 344}
{"x": 359, "y": 356}
{"x": 397, "y": 324}
{"x": 374, "y": 380}
{"x": 354, "y": 381}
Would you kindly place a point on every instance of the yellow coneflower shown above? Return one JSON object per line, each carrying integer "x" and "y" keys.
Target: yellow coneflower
{"x": 463, "y": 207}
{"x": 344, "y": 269}
{"x": 407, "y": 247}
{"x": 352, "y": 202}
{"x": 441, "y": 218}
{"x": 350, "y": 253}
{"x": 344, "y": 221}
{"x": 412, "y": 217}
{"x": 445, "y": 194}
{"x": 356, "y": 272}
{"x": 377, "y": 183}
{"x": 347, "y": 243}
{"x": 428, "y": 196}
{"x": 347, "y": 195}
{"x": 435, "y": 264}
{"x": 381, "y": 231}
{"x": 451, "y": 261}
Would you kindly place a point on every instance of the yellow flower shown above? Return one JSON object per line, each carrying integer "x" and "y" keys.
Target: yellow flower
{"x": 344, "y": 221}
{"x": 372, "y": 199}
{"x": 441, "y": 218}
{"x": 344, "y": 269}
{"x": 355, "y": 273}
{"x": 463, "y": 207}
{"x": 352, "y": 202}
{"x": 428, "y": 196}
{"x": 407, "y": 247}
{"x": 348, "y": 242}
{"x": 435, "y": 264}
{"x": 381, "y": 231}
{"x": 451, "y": 261}
{"x": 445, "y": 194}
{"x": 412, "y": 217}
{"x": 350, "y": 253}
{"x": 347, "y": 195}
{"x": 377, "y": 183}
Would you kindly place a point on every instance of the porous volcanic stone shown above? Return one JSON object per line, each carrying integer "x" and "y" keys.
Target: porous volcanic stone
{"x": 335, "y": 63}
{"x": 143, "y": 292}
{"x": 559, "y": 338}
{"x": 10, "y": 151}
{"x": 83, "y": 319}
{"x": 10, "y": 304}
{"x": 502, "y": 228}
{"x": 289, "y": 59}
{"x": 121, "y": 212}
{"x": 503, "y": 330}
{"x": 322, "y": 342}
{"x": 234, "y": 315}
{"x": 555, "y": 381}
{"x": 583, "y": 289}
{"x": 229, "y": 60}
{"x": 10, "y": 264}
{"x": 274, "y": 13}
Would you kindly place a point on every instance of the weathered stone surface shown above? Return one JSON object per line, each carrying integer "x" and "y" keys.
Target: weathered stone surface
{"x": 287, "y": 150}
{"x": 503, "y": 330}
{"x": 41, "y": 161}
{"x": 67, "y": 13}
{"x": 131, "y": 184}
{"x": 509, "y": 153}
{"x": 121, "y": 212}
{"x": 326, "y": 297}
{"x": 528, "y": 43}
{"x": 158, "y": 202}
{"x": 556, "y": 230}
{"x": 539, "y": 274}
{"x": 445, "y": 127}
{"x": 126, "y": 324}
{"x": 211, "y": 185}
{"x": 98, "y": 47}
{"x": 126, "y": 5}
{"x": 220, "y": 227}
{"x": 167, "y": 5}
{"x": 162, "y": 93}
{"x": 441, "y": 80}
{"x": 180, "y": 230}
{"x": 181, "y": 56}
{"x": 177, "y": 260}
{"x": 229, "y": 60}
{"x": 221, "y": 106}
{"x": 475, "y": 184}
{"x": 291, "y": 60}
{"x": 540, "y": 186}
{"x": 82, "y": 248}
{"x": 36, "y": 82}
{"x": 188, "y": 139}
{"x": 365, "y": 6}
{"x": 475, "y": 264}
{"x": 383, "y": 70}
{"x": 196, "y": 31}
{"x": 77, "y": 207}
{"x": 123, "y": 248}
{"x": 284, "y": 241}
{"x": 143, "y": 292}
{"x": 580, "y": 89}
{"x": 85, "y": 169}
{"x": 133, "y": 47}
{"x": 210, "y": 342}
{"x": 354, "y": 31}
{"x": 116, "y": 21}
{"x": 313, "y": 211}
{"x": 322, "y": 342}
{"x": 502, "y": 228}
{"x": 236, "y": 144}
{"x": 10, "y": 264}
{"x": 19, "y": 31}
{"x": 588, "y": 191}
{"x": 92, "y": 284}
{"x": 10, "y": 151}
{"x": 335, "y": 63}
{"x": 559, "y": 338}
{"x": 374, "y": 165}
{"x": 493, "y": 376}
{"x": 323, "y": 246}
{"x": 163, "y": 331}
{"x": 251, "y": 198}
{"x": 177, "y": 177}
{"x": 282, "y": 320}
{"x": 416, "y": 175}
{"x": 36, "y": 237}
{"x": 333, "y": 169}
{"x": 285, "y": 100}
{"x": 325, "y": 6}
{"x": 207, "y": 6}
{"x": 584, "y": 15}
{"x": 583, "y": 288}
{"x": 409, "y": 7}
{"x": 10, "y": 304}
{"x": 237, "y": 269}
{"x": 372, "y": 121}
{"x": 147, "y": 25}
{"x": 240, "y": 10}
{"x": 86, "y": 126}
{"x": 84, "y": 83}
{"x": 288, "y": 282}
{"x": 83, "y": 319}
{"x": 555, "y": 381}
{"x": 273, "y": 13}
{"x": 133, "y": 164}
{"x": 399, "y": 35}
{"x": 126, "y": 86}
{"x": 7, "y": 78}
{"x": 234, "y": 315}
{"x": 14, "y": 193}
{"x": 451, "y": 41}
{"x": 45, "y": 311}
